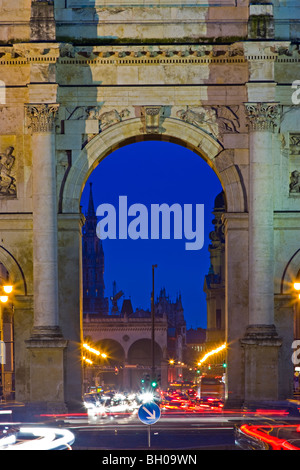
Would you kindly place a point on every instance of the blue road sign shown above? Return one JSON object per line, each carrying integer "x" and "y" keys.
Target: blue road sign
{"x": 149, "y": 413}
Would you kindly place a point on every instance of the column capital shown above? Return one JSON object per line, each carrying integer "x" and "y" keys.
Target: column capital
{"x": 41, "y": 117}
{"x": 262, "y": 116}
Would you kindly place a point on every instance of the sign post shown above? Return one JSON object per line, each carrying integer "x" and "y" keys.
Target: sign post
{"x": 149, "y": 413}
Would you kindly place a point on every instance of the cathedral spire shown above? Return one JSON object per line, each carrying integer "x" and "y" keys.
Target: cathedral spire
{"x": 91, "y": 208}
{"x": 94, "y": 301}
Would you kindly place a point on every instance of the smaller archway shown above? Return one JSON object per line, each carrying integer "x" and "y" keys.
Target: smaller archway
{"x": 16, "y": 273}
{"x": 17, "y": 319}
{"x": 140, "y": 352}
{"x": 290, "y": 273}
{"x": 140, "y": 356}
{"x": 107, "y": 369}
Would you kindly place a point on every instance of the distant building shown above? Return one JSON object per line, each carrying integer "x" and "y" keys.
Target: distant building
{"x": 195, "y": 340}
{"x": 130, "y": 329}
{"x": 174, "y": 313}
{"x": 214, "y": 283}
{"x": 176, "y": 323}
{"x": 195, "y": 349}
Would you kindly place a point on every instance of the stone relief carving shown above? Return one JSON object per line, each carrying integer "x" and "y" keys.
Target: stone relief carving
{"x": 295, "y": 144}
{"x": 295, "y": 182}
{"x": 294, "y": 154}
{"x": 214, "y": 119}
{"x": 7, "y": 179}
{"x": 105, "y": 118}
{"x": 199, "y": 117}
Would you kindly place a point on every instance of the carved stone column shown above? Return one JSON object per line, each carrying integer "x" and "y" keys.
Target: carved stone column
{"x": 261, "y": 341}
{"x": 44, "y": 215}
{"x": 262, "y": 119}
{"x": 46, "y": 343}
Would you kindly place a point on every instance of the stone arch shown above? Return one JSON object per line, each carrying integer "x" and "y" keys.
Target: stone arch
{"x": 112, "y": 348}
{"x": 141, "y": 349}
{"x": 290, "y": 273}
{"x": 175, "y": 131}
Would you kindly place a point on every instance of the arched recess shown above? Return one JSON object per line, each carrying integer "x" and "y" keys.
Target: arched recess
{"x": 140, "y": 353}
{"x": 113, "y": 350}
{"x": 175, "y": 131}
{"x": 16, "y": 274}
{"x": 290, "y": 274}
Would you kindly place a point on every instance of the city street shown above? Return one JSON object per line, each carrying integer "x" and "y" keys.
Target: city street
{"x": 175, "y": 430}
{"x": 179, "y": 435}
{"x": 171, "y": 432}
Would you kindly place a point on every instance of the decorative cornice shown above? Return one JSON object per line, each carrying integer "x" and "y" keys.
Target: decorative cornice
{"x": 41, "y": 116}
{"x": 262, "y": 116}
{"x": 67, "y": 53}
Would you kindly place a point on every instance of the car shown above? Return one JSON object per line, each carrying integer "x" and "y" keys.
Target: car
{"x": 175, "y": 401}
{"x": 209, "y": 403}
{"x": 94, "y": 405}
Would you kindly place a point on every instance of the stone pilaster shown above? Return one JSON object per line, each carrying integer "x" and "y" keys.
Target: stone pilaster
{"x": 46, "y": 344}
{"x": 261, "y": 342}
{"x": 236, "y": 302}
{"x": 262, "y": 118}
{"x": 45, "y": 270}
{"x": 70, "y": 302}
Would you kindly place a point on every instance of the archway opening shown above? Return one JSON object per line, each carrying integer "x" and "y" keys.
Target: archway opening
{"x": 140, "y": 356}
{"x": 104, "y": 369}
{"x": 147, "y": 174}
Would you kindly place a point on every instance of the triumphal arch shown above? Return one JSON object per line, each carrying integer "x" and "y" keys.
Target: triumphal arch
{"x": 81, "y": 78}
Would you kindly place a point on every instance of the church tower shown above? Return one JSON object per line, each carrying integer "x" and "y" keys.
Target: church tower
{"x": 214, "y": 284}
{"x": 94, "y": 302}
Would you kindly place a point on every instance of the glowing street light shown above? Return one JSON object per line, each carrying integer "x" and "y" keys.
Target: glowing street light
{"x": 8, "y": 289}
{"x": 211, "y": 353}
{"x": 297, "y": 288}
{"x": 87, "y": 360}
{"x": 94, "y": 351}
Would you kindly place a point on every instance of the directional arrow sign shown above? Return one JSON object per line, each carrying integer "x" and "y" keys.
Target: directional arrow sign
{"x": 149, "y": 413}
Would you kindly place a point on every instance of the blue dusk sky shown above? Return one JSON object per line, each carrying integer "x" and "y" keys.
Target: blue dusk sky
{"x": 149, "y": 173}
